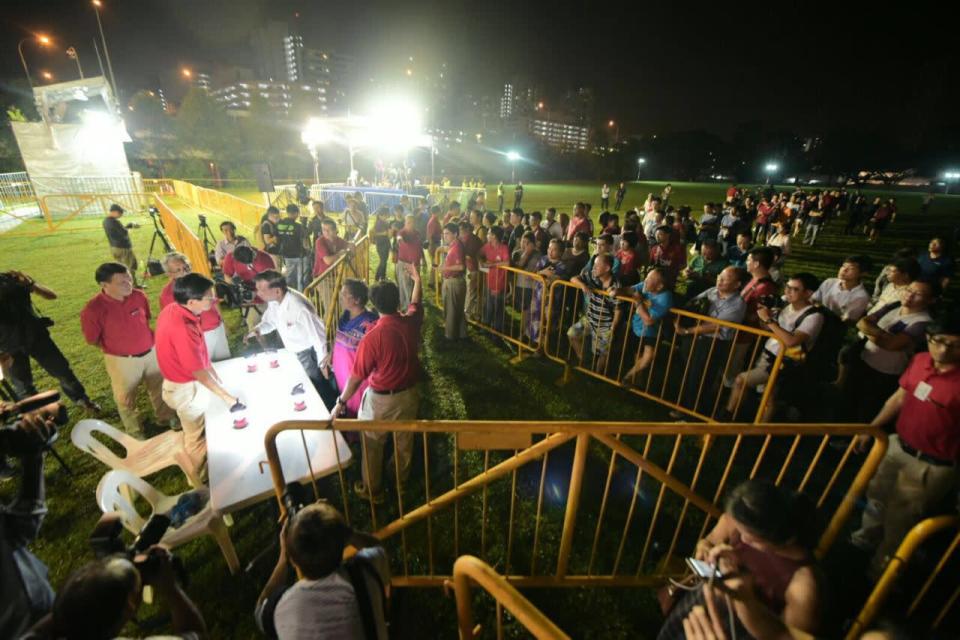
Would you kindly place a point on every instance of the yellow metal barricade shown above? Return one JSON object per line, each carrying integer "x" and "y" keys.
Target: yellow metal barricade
{"x": 60, "y": 208}
{"x": 664, "y": 489}
{"x": 686, "y": 365}
{"x": 324, "y": 290}
{"x": 182, "y": 238}
{"x": 939, "y": 586}
{"x": 469, "y": 569}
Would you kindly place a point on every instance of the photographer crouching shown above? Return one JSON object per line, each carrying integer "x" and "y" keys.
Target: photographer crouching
{"x": 100, "y": 598}
{"x": 27, "y": 595}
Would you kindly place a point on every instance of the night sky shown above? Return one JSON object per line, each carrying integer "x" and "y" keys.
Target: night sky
{"x": 655, "y": 66}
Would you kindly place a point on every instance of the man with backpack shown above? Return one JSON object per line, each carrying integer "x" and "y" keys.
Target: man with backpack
{"x": 797, "y": 326}
{"x": 329, "y": 598}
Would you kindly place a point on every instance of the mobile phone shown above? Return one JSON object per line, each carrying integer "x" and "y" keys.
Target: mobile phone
{"x": 704, "y": 569}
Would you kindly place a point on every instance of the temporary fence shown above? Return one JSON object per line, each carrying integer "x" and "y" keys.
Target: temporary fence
{"x": 468, "y": 570}
{"x": 18, "y": 202}
{"x": 72, "y": 194}
{"x": 324, "y": 290}
{"x": 689, "y": 356}
{"x": 935, "y": 596}
{"x": 182, "y": 238}
{"x": 506, "y": 301}
{"x": 510, "y": 492}
{"x": 334, "y": 197}
{"x": 70, "y": 205}
{"x": 243, "y": 212}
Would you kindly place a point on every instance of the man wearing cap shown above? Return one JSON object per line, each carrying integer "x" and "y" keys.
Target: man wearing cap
{"x": 119, "y": 238}
{"x": 117, "y": 320}
{"x": 920, "y": 467}
{"x": 177, "y": 265}
{"x": 188, "y": 375}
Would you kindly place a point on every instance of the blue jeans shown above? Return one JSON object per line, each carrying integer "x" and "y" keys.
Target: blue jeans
{"x": 297, "y": 272}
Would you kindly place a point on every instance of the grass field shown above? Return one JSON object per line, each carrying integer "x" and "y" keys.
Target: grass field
{"x": 474, "y": 382}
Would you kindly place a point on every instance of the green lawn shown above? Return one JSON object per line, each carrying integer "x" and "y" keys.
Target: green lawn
{"x": 476, "y": 381}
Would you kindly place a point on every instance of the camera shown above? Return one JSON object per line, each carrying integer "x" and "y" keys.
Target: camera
{"x": 13, "y": 439}
{"x": 153, "y": 211}
{"x": 105, "y": 540}
{"x": 771, "y": 301}
{"x": 295, "y": 497}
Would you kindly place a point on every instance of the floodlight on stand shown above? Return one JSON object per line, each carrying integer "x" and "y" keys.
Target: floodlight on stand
{"x": 513, "y": 156}
{"x": 771, "y": 167}
{"x": 316, "y": 132}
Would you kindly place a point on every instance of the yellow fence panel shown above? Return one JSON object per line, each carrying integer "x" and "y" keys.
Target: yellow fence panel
{"x": 183, "y": 239}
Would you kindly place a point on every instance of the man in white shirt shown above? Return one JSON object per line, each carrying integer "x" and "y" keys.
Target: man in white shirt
{"x": 295, "y": 319}
{"x": 551, "y": 226}
{"x": 893, "y": 334}
{"x": 797, "y": 326}
{"x": 844, "y": 295}
{"x": 229, "y": 242}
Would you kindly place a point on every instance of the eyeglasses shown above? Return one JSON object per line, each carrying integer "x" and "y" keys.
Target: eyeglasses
{"x": 792, "y": 288}
{"x": 942, "y": 342}
{"x": 210, "y": 298}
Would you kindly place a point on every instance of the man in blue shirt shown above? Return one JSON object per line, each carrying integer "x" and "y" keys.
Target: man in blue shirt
{"x": 652, "y": 301}
{"x": 935, "y": 263}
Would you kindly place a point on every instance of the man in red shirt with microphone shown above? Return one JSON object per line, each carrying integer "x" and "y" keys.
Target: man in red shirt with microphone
{"x": 117, "y": 320}
{"x": 188, "y": 375}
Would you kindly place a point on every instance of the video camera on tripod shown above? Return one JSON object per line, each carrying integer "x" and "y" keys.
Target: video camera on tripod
{"x": 154, "y": 266}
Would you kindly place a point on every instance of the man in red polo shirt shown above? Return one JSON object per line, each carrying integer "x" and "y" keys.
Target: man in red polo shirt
{"x": 454, "y": 288}
{"x": 494, "y": 255}
{"x": 188, "y": 375}
{"x": 329, "y": 247}
{"x": 177, "y": 265}
{"x": 920, "y": 468}
{"x": 117, "y": 320}
{"x": 387, "y": 359}
{"x": 409, "y": 251}
{"x": 244, "y": 264}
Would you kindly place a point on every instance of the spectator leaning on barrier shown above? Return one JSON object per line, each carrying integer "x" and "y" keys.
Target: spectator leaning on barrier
{"x": 892, "y": 335}
{"x": 177, "y": 266}
{"x": 668, "y": 254}
{"x": 797, "y": 325}
{"x": 920, "y": 466}
{"x": 711, "y": 342}
{"x": 494, "y": 255}
{"x": 330, "y": 598}
{"x": 117, "y": 321}
{"x": 702, "y": 271}
{"x": 602, "y": 317}
{"x": 388, "y": 360}
{"x": 844, "y": 295}
{"x": 652, "y": 301}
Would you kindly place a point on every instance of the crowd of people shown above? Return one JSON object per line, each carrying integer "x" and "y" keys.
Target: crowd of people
{"x": 897, "y": 368}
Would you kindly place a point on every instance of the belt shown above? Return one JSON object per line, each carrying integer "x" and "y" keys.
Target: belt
{"x": 922, "y": 457}
{"x": 137, "y": 355}
{"x": 392, "y": 391}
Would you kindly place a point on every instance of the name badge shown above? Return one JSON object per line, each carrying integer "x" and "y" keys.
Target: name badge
{"x": 922, "y": 392}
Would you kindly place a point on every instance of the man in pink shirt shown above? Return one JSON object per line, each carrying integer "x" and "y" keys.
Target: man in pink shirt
{"x": 409, "y": 251}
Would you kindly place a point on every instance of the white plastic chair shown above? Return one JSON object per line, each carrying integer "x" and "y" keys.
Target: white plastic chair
{"x": 143, "y": 458}
{"x": 112, "y": 496}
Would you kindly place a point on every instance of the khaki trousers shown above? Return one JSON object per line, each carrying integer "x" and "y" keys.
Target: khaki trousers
{"x": 405, "y": 285}
{"x": 902, "y": 493}
{"x": 377, "y": 406}
{"x": 471, "y": 306}
{"x": 126, "y": 374}
{"x": 454, "y": 298}
{"x": 189, "y": 400}
{"x": 126, "y": 257}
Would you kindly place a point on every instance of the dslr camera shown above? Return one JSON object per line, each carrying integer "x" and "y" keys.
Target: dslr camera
{"x": 771, "y": 301}
{"x": 106, "y": 540}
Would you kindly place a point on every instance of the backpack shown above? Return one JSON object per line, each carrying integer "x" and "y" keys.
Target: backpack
{"x": 820, "y": 361}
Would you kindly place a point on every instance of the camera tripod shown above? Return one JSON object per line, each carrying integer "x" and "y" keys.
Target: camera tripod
{"x": 157, "y": 233}
{"x": 208, "y": 238}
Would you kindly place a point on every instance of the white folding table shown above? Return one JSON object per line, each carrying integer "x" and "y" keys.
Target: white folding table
{"x": 237, "y": 463}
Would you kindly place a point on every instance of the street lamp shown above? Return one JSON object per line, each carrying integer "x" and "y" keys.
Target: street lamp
{"x": 640, "y": 163}
{"x": 46, "y": 75}
{"x": 186, "y": 73}
{"x": 616, "y": 136}
{"x": 316, "y": 132}
{"x": 513, "y": 156}
{"x": 771, "y": 168}
{"x": 72, "y": 54}
{"x": 949, "y": 177}
{"x": 97, "y": 5}
{"x": 43, "y": 41}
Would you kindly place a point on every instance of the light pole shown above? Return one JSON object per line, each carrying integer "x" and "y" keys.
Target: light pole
{"x": 616, "y": 135}
{"x": 43, "y": 41}
{"x": 948, "y": 177}
{"x": 771, "y": 168}
{"x": 46, "y": 75}
{"x": 513, "y": 156}
{"x": 72, "y": 53}
{"x": 97, "y": 4}
{"x": 313, "y": 135}
{"x": 640, "y": 163}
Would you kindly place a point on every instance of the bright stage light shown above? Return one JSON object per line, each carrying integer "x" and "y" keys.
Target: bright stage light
{"x": 771, "y": 167}
{"x": 393, "y": 125}
{"x": 316, "y": 132}
{"x": 641, "y": 160}
{"x": 513, "y": 156}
